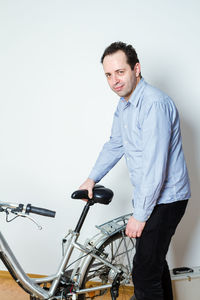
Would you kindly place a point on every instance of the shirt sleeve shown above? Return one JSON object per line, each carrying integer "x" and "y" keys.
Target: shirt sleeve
{"x": 156, "y": 134}
{"x": 111, "y": 152}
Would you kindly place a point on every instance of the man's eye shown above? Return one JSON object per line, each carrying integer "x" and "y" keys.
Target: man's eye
{"x": 108, "y": 75}
{"x": 121, "y": 72}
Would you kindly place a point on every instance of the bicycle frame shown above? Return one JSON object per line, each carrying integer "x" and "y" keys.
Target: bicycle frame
{"x": 31, "y": 285}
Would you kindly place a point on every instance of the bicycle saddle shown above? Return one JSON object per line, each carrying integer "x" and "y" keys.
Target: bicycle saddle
{"x": 101, "y": 195}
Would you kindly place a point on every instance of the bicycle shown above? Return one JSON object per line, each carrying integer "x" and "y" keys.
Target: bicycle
{"x": 104, "y": 261}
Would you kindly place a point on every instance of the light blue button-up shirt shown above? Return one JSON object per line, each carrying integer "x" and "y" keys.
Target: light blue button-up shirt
{"x": 146, "y": 130}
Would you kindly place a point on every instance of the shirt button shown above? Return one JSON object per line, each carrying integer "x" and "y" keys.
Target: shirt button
{"x": 125, "y": 126}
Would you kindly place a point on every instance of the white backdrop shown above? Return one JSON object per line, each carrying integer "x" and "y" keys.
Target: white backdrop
{"x": 56, "y": 111}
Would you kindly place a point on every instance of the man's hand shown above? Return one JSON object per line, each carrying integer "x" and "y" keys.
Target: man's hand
{"x": 134, "y": 228}
{"x": 88, "y": 185}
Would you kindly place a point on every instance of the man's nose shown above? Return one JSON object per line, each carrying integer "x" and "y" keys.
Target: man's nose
{"x": 115, "y": 79}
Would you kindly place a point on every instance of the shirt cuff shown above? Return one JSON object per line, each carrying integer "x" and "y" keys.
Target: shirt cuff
{"x": 94, "y": 176}
{"x": 141, "y": 215}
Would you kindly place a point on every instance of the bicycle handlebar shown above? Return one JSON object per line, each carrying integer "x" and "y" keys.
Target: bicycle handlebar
{"x": 40, "y": 211}
{"x": 21, "y": 208}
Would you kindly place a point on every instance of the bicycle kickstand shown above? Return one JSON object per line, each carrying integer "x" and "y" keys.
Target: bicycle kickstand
{"x": 114, "y": 291}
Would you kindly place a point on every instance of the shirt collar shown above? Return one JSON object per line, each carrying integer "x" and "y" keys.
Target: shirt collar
{"x": 134, "y": 99}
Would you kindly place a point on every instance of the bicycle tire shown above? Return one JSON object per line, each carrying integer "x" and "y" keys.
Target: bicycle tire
{"x": 98, "y": 274}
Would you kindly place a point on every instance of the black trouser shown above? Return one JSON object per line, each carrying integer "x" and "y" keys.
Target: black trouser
{"x": 151, "y": 276}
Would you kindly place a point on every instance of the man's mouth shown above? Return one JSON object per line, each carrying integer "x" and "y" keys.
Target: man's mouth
{"x": 118, "y": 88}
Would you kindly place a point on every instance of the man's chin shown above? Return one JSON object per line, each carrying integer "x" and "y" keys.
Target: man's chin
{"x": 120, "y": 93}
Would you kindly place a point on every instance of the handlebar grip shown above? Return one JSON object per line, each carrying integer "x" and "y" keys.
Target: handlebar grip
{"x": 40, "y": 211}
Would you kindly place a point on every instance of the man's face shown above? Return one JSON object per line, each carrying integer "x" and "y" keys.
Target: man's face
{"x": 121, "y": 78}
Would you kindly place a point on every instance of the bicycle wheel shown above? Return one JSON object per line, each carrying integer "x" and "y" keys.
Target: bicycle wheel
{"x": 119, "y": 251}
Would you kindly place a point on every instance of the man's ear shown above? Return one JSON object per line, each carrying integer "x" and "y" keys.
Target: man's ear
{"x": 137, "y": 69}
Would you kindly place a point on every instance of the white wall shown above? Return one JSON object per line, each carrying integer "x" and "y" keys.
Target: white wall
{"x": 56, "y": 110}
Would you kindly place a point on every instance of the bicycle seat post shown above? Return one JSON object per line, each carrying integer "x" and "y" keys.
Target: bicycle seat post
{"x": 100, "y": 195}
{"x": 83, "y": 216}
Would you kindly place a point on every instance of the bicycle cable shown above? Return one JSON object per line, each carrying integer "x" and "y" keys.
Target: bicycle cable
{"x": 78, "y": 259}
{"x": 7, "y": 213}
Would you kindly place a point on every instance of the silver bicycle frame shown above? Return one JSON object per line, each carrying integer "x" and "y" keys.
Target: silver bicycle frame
{"x": 31, "y": 285}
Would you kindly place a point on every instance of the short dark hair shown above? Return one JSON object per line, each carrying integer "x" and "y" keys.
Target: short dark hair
{"x": 129, "y": 51}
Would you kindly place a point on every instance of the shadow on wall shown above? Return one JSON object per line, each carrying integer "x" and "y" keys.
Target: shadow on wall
{"x": 181, "y": 242}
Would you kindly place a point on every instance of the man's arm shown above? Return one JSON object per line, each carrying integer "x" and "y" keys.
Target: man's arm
{"x": 156, "y": 134}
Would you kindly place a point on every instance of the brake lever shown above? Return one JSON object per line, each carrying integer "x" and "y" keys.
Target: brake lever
{"x": 30, "y": 218}
{"x": 20, "y": 214}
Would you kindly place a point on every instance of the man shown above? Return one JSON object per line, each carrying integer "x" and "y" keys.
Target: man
{"x": 146, "y": 131}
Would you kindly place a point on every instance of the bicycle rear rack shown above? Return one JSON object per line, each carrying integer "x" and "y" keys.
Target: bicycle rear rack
{"x": 115, "y": 225}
